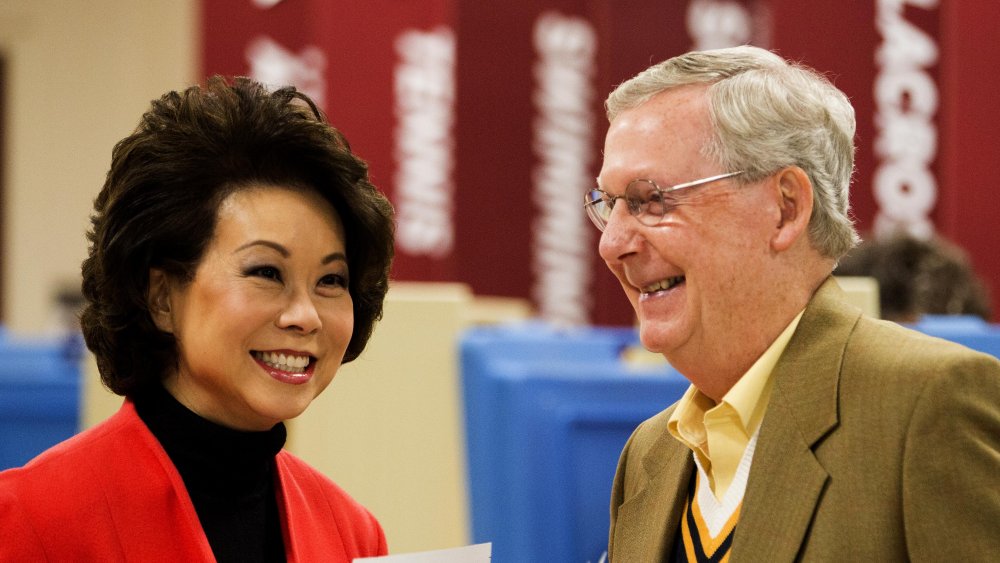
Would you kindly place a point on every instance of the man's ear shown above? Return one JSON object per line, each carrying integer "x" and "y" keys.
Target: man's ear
{"x": 795, "y": 200}
{"x": 158, "y": 300}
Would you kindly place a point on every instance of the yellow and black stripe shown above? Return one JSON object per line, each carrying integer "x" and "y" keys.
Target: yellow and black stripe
{"x": 695, "y": 543}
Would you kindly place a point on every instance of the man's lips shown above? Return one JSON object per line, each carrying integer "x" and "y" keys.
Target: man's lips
{"x": 661, "y": 285}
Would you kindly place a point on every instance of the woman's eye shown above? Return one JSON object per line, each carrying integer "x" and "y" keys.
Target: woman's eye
{"x": 268, "y": 272}
{"x": 333, "y": 280}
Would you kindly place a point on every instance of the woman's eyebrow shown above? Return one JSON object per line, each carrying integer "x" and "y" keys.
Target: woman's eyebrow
{"x": 334, "y": 256}
{"x": 270, "y": 244}
{"x": 285, "y": 253}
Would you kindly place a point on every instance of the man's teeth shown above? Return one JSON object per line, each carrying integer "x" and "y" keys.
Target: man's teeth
{"x": 283, "y": 362}
{"x": 663, "y": 284}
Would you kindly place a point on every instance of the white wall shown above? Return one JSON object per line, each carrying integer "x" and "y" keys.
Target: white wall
{"x": 80, "y": 73}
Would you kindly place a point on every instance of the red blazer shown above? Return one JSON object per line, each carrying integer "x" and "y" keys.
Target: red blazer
{"x": 112, "y": 494}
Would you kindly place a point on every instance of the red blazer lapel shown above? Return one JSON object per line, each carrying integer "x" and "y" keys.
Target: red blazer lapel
{"x": 320, "y": 521}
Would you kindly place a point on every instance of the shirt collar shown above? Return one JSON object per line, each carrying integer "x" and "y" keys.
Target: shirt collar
{"x": 748, "y": 397}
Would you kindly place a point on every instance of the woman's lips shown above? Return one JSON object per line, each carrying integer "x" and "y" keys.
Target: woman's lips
{"x": 284, "y": 373}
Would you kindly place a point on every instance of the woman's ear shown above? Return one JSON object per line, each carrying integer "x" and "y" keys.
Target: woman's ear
{"x": 158, "y": 300}
{"x": 795, "y": 193}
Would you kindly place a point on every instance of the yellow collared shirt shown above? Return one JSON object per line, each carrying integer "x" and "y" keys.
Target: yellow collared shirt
{"x": 718, "y": 434}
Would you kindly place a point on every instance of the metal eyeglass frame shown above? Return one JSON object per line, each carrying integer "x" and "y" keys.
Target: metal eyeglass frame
{"x": 637, "y": 206}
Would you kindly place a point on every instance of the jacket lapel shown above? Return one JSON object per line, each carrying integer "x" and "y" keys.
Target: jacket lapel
{"x": 786, "y": 480}
{"x": 147, "y": 502}
{"x": 648, "y": 520}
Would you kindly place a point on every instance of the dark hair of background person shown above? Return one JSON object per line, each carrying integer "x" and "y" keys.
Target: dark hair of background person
{"x": 158, "y": 209}
{"x": 919, "y": 277}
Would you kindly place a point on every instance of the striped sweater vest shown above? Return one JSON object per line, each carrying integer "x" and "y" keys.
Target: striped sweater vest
{"x": 707, "y": 525}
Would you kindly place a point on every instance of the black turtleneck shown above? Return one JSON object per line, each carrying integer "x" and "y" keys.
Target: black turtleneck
{"x": 229, "y": 475}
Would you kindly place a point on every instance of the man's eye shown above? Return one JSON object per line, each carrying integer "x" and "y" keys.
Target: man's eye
{"x": 655, "y": 203}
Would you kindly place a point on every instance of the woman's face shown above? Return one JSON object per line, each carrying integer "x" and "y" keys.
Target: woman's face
{"x": 262, "y": 328}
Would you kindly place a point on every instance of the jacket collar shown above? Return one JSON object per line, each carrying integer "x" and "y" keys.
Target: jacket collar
{"x": 786, "y": 479}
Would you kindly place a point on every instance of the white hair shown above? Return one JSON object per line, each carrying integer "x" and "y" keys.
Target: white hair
{"x": 768, "y": 113}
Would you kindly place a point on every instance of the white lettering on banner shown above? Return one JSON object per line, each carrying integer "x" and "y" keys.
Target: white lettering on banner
{"x": 275, "y": 66}
{"x": 425, "y": 113}
{"x": 714, "y": 24}
{"x": 563, "y": 142}
{"x": 906, "y": 100}
{"x": 265, "y": 4}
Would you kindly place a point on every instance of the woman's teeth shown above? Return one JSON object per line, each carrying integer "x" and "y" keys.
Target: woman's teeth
{"x": 663, "y": 284}
{"x": 283, "y": 362}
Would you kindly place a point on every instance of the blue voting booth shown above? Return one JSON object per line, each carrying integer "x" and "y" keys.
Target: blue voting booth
{"x": 547, "y": 412}
{"x": 39, "y": 395}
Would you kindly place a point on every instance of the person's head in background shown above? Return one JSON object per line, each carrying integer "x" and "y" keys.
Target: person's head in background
{"x": 204, "y": 168}
{"x": 918, "y": 277}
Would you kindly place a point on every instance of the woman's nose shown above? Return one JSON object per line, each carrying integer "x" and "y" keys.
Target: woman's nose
{"x": 300, "y": 314}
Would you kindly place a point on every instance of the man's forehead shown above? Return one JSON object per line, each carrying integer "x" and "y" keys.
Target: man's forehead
{"x": 668, "y": 109}
{"x": 657, "y": 139}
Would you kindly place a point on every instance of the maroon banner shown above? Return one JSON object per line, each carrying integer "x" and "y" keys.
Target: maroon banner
{"x": 484, "y": 122}
{"x": 922, "y": 77}
{"x": 967, "y": 211}
{"x": 384, "y": 73}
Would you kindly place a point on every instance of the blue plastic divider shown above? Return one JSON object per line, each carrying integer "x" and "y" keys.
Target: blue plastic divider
{"x": 39, "y": 395}
{"x": 969, "y": 331}
{"x": 547, "y": 413}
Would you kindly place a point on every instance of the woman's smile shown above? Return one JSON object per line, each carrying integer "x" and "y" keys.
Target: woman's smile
{"x": 289, "y": 367}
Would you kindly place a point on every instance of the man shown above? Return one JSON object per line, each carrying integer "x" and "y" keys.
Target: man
{"x": 810, "y": 432}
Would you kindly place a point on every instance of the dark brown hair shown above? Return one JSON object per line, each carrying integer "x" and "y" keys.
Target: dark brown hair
{"x": 918, "y": 277}
{"x": 158, "y": 209}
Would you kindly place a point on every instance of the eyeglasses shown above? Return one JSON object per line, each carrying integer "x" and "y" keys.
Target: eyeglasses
{"x": 646, "y": 201}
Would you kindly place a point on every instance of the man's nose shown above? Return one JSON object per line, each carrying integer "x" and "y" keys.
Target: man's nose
{"x": 619, "y": 236}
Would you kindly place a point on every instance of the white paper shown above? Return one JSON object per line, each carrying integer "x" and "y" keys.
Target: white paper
{"x": 479, "y": 553}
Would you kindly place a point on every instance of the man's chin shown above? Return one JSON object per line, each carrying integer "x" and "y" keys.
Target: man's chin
{"x": 656, "y": 338}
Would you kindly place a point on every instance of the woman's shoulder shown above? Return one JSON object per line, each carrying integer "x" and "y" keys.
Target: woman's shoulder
{"x": 68, "y": 457}
{"x": 108, "y": 491}
{"x": 57, "y": 486}
{"x": 74, "y": 474}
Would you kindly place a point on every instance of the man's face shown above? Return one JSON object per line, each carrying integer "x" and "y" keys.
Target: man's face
{"x": 695, "y": 277}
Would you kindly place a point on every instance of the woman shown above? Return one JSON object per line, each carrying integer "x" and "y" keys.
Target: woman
{"x": 239, "y": 255}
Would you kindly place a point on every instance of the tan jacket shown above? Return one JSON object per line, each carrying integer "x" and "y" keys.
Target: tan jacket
{"x": 879, "y": 444}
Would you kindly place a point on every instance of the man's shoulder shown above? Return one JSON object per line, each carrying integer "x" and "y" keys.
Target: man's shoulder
{"x": 885, "y": 364}
{"x": 834, "y": 330}
{"x": 884, "y": 343}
